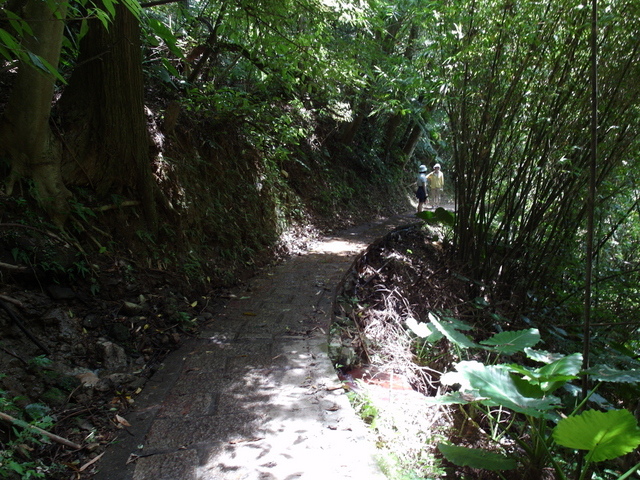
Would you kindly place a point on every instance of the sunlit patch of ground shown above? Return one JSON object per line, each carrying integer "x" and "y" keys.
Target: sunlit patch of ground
{"x": 338, "y": 247}
{"x": 403, "y": 275}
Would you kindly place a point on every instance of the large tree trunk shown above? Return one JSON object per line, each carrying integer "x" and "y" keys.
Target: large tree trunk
{"x": 104, "y": 114}
{"x": 25, "y": 135}
{"x": 411, "y": 143}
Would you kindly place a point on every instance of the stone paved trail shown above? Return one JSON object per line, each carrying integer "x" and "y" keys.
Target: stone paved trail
{"x": 255, "y": 397}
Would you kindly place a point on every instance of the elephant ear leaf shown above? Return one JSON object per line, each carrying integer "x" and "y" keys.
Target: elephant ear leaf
{"x": 604, "y": 373}
{"x": 441, "y": 215}
{"x": 511, "y": 342}
{"x": 605, "y": 435}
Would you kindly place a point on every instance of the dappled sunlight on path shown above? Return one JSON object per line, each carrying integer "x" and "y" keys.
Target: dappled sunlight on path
{"x": 255, "y": 396}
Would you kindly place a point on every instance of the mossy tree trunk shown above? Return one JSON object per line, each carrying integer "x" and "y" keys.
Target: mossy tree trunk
{"x": 25, "y": 134}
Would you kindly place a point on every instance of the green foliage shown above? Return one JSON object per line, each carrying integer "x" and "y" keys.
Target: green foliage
{"x": 364, "y": 407}
{"x": 536, "y": 397}
{"x": 493, "y": 385}
{"x": 439, "y": 216}
{"x": 605, "y": 435}
{"x": 186, "y": 321}
{"x": 18, "y": 28}
{"x": 15, "y": 460}
{"x": 450, "y": 329}
{"x": 81, "y": 210}
{"x": 476, "y": 458}
{"x": 512, "y": 342}
{"x": 39, "y": 362}
{"x": 510, "y": 74}
{"x": 605, "y": 373}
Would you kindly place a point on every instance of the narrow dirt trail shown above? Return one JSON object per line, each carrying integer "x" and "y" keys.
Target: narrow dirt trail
{"x": 255, "y": 397}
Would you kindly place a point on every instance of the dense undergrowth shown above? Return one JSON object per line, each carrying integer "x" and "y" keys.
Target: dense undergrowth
{"x": 457, "y": 387}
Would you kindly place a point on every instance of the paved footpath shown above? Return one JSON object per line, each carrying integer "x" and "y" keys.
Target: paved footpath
{"x": 255, "y": 397}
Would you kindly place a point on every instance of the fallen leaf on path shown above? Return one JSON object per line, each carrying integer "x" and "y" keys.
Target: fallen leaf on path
{"x": 122, "y": 421}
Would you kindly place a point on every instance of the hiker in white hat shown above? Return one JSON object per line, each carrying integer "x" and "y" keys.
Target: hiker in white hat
{"x": 435, "y": 180}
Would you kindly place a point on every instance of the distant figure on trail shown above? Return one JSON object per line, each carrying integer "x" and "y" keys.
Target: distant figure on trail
{"x": 436, "y": 184}
{"x": 421, "y": 192}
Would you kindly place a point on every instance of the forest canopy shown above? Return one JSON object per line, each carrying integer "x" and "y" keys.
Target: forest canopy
{"x": 498, "y": 92}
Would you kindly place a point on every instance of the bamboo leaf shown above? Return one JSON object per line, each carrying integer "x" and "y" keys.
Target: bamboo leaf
{"x": 84, "y": 28}
{"x": 8, "y": 40}
{"x": 110, "y": 6}
{"x": 45, "y": 66}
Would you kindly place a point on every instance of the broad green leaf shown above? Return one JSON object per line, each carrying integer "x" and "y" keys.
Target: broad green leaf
{"x": 526, "y": 388}
{"x": 605, "y": 373}
{"x": 37, "y": 61}
{"x": 606, "y": 435}
{"x": 455, "y": 323}
{"x": 439, "y": 216}
{"x": 451, "y": 333}
{"x": 513, "y": 341}
{"x": 494, "y": 382}
{"x": 421, "y": 329}
{"x": 558, "y": 373}
{"x": 445, "y": 216}
{"x": 596, "y": 398}
{"x": 21, "y": 27}
{"x": 553, "y": 376}
{"x": 167, "y": 36}
{"x": 103, "y": 17}
{"x": 170, "y": 68}
{"x": 542, "y": 356}
{"x": 569, "y": 365}
{"x": 476, "y": 458}
{"x": 427, "y": 216}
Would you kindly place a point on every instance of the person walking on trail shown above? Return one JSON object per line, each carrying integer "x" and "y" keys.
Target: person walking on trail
{"x": 421, "y": 192}
{"x": 435, "y": 181}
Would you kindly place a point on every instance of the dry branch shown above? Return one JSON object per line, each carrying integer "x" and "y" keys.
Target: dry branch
{"x": 52, "y": 436}
{"x": 13, "y": 268}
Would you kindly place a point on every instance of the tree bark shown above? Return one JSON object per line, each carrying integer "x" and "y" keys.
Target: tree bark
{"x": 25, "y": 134}
{"x": 103, "y": 110}
{"x": 412, "y": 142}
